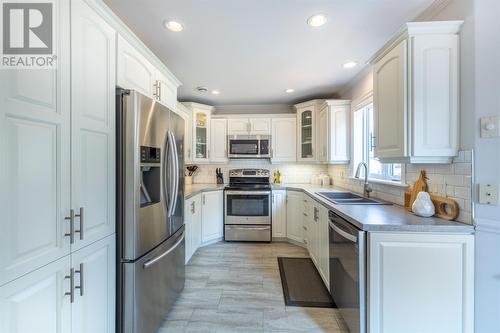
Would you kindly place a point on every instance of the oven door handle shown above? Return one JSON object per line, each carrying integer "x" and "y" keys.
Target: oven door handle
{"x": 247, "y": 227}
{"x": 342, "y": 233}
{"x": 248, "y": 192}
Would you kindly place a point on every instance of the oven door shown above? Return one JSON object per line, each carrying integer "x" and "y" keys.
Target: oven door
{"x": 247, "y": 207}
{"x": 243, "y": 148}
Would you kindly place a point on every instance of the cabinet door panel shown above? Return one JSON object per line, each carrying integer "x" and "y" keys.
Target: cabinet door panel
{"x": 93, "y": 125}
{"x": 294, "y": 215}
{"x": 35, "y": 160}
{"x": 133, "y": 70}
{"x": 339, "y": 151}
{"x": 279, "y": 214}
{"x": 211, "y": 216}
{"x": 306, "y": 134}
{"x": 201, "y": 136}
{"x": 238, "y": 126}
{"x": 390, "y": 98}
{"x": 283, "y": 140}
{"x": 260, "y": 126}
{"x": 197, "y": 223}
{"x": 323, "y": 137}
{"x": 37, "y": 302}
{"x": 94, "y": 311}
{"x": 218, "y": 141}
{"x": 397, "y": 261}
{"x": 168, "y": 91}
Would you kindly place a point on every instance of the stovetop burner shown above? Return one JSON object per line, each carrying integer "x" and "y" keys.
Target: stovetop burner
{"x": 248, "y": 180}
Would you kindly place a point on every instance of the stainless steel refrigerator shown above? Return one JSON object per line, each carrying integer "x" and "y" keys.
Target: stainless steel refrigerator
{"x": 150, "y": 206}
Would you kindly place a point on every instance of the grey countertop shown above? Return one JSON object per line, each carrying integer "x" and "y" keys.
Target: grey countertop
{"x": 365, "y": 217}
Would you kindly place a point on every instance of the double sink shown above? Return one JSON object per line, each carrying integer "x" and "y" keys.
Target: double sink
{"x": 348, "y": 198}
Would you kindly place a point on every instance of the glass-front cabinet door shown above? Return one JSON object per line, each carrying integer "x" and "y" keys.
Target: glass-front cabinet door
{"x": 201, "y": 145}
{"x": 306, "y": 133}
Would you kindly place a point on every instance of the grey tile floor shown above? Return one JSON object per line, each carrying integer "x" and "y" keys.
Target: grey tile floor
{"x": 236, "y": 287}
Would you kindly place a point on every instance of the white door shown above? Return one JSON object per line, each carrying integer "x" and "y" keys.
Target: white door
{"x": 196, "y": 223}
{"x": 93, "y": 125}
{"x": 306, "y": 134}
{"x": 238, "y": 126}
{"x": 404, "y": 269}
{"x": 294, "y": 215}
{"x": 134, "y": 71}
{"x": 283, "y": 140}
{"x": 188, "y": 227}
{"x": 211, "y": 225}
{"x": 37, "y": 302}
{"x": 260, "y": 126}
{"x": 390, "y": 103}
{"x": 165, "y": 91}
{"x": 35, "y": 160}
{"x": 339, "y": 136}
{"x": 323, "y": 139}
{"x": 218, "y": 141}
{"x": 324, "y": 245}
{"x": 201, "y": 136}
{"x": 94, "y": 306}
{"x": 279, "y": 216}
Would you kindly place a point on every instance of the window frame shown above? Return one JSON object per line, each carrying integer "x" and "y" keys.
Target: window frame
{"x": 387, "y": 168}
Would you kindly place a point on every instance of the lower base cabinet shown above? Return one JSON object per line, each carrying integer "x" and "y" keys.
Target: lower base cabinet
{"x": 192, "y": 220}
{"x": 294, "y": 224}
{"x": 420, "y": 282}
{"x": 279, "y": 214}
{"x": 211, "y": 212}
{"x": 41, "y": 301}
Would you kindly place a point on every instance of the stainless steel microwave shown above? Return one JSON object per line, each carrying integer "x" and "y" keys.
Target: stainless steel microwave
{"x": 249, "y": 146}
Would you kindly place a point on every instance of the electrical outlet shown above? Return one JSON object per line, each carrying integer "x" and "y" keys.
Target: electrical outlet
{"x": 488, "y": 194}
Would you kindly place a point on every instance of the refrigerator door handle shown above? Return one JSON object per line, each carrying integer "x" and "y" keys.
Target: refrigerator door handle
{"x": 151, "y": 262}
{"x": 175, "y": 192}
{"x": 172, "y": 174}
{"x": 166, "y": 178}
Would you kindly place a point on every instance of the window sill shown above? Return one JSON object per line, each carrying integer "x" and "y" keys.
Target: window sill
{"x": 382, "y": 182}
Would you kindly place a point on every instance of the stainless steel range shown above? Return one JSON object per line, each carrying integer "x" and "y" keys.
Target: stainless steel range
{"x": 247, "y": 201}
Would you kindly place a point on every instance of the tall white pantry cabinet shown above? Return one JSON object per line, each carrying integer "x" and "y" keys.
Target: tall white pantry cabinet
{"x": 57, "y": 182}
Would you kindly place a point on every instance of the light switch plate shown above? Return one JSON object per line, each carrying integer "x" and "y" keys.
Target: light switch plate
{"x": 490, "y": 127}
{"x": 488, "y": 194}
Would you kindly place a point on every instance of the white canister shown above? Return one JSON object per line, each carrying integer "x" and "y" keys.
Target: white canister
{"x": 325, "y": 180}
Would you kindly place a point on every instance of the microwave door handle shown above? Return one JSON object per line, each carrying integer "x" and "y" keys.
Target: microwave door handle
{"x": 342, "y": 233}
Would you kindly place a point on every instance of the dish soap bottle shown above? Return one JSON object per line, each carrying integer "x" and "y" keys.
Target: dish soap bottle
{"x": 277, "y": 177}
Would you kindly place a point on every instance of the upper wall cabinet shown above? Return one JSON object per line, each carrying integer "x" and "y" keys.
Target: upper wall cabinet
{"x": 249, "y": 126}
{"x": 283, "y": 138}
{"x": 135, "y": 71}
{"x": 416, "y": 95}
{"x": 187, "y": 115}
{"x": 306, "y": 130}
{"x": 333, "y": 131}
{"x": 201, "y": 131}
{"x": 218, "y": 141}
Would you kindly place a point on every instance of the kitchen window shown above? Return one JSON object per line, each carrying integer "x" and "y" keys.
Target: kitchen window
{"x": 363, "y": 148}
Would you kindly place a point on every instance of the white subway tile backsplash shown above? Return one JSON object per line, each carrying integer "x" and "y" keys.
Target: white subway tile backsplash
{"x": 451, "y": 180}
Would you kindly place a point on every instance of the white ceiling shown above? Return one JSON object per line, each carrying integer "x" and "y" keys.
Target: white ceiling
{"x": 252, "y": 50}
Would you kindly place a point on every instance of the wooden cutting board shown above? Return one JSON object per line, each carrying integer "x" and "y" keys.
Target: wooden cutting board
{"x": 419, "y": 186}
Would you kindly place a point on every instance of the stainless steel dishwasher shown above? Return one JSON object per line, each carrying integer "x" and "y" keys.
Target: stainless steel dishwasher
{"x": 348, "y": 271}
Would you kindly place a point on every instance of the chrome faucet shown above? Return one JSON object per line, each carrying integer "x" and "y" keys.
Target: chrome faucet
{"x": 366, "y": 186}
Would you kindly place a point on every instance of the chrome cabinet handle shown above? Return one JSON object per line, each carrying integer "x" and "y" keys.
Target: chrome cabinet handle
{"x": 71, "y": 292}
{"x": 304, "y": 227}
{"x": 193, "y": 209}
{"x": 304, "y": 214}
{"x": 189, "y": 152}
{"x": 157, "y": 92}
{"x": 80, "y": 271}
{"x": 71, "y": 219}
{"x": 80, "y": 231}
{"x": 208, "y": 153}
{"x": 203, "y": 197}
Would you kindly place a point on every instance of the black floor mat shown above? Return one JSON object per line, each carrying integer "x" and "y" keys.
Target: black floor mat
{"x": 302, "y": 284}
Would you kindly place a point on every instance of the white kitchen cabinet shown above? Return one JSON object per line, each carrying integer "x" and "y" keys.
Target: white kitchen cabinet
{"x": 193, "y": 220}
{"x": 212, "y": 215}
{"x": 165, "y": 91}
{"x": 279, "y": 213}
{"x": 307, "y": 113}
{"x": 134, "y": 71}
{"x": 416, "y": 95}
{"x": 437, "y": 282}
{"x": 249, "y": 126}
{"x": 92, "y": 125}
{"x": 37, "y": 302}
{"x": 35, "y": 160}
{"x": 201, "y": 132}
{"x": 307, "y": 220}
{"x": 333, "y": 132}
{"x": 294, "y": 227}
{"x": 93, "y": 309}
{"x": 283, "y": 140}
{"x": 218, "y": 141}
{"x": 323, "y": 245}
{"x": 313, "y": 245}
{"x": 187, "y": 116}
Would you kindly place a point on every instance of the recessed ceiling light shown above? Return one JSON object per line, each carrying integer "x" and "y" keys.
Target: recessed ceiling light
{"x": 173, "y": 25}
{"x": 350, "y": 64}
{"x": 202, "y": 89}
{"x": 317, "y": 20}
{"x": 215, "y": 92}
{"x": 290, "y": 90}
